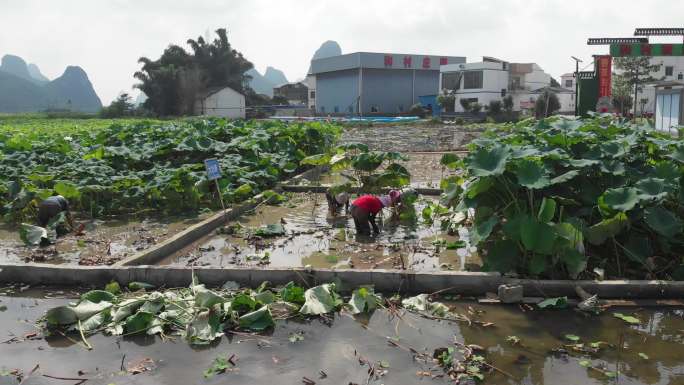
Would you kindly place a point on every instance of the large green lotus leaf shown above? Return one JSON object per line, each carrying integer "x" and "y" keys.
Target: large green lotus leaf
{"x": 613, "y": 167}
{"x": 566, "y": 124}
{"x": 449, "y": 159}
{"x": 363, "y": 300}
{"x": 677, "y": 154}
{"x": 564, "y": 177}
{"x": 668, "y": 171}
{"x": 368, "y": 161}
{"x": 581, "y": 163}
{"x": 488, "y": 162}
{"x": 257, "y": 320}
{"x": 482, "y": 229}
{"x": 478, "y": 186}
{"x": 621, "y": 199}
{"x": 651, "y": 189}
{"x": 663, "y": 221}
{"x": 519, "y": 152}
{"x": 61, "y": 315}
{"x": 570, "y": 233}
{"x": 316, "y": 160}
{"x": 547, "y": 210}
{"x": 575, "y": 261}
{"x": 536, "y": 236}
{"x": 320, "y": 300}
{"x": 537, "y": 264}
{"x": 502, "y": 256}
{"x": 607, "y": 228}
{"x": 531, "y": 174}
{"x": 614, "y": 149}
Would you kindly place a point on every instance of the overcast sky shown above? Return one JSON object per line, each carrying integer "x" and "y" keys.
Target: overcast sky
{"x": 106, "y": 37}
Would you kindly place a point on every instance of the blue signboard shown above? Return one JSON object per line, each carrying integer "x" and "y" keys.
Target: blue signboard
{"x": 213, "y": 169}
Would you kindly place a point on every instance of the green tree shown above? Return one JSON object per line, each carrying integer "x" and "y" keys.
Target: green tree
{"x": 508, "y": 104}
{"x": 494, "y": 108}
{"x": 173, "y": 82}
{"x": 465, "y": 104}
{"x": 547, "y": 103}
{"x": 636, "y": 70}
{"x": 447, "y": 102}
{"x": 622, "y": 94}
{"x": 122, "y": 106}
{"x": 475, "y": 108}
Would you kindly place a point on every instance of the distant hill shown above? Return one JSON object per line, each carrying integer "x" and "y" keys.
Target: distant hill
{"x": 263, "y": 84}
{"x": 23, "y": 88}
{"x": 327, "y": 49}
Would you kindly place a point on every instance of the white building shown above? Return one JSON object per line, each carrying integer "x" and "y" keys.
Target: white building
{"x": 311, "y": 83}
{"x": 224, "y": 102}
{"x": 671, "y": 70}
{"x": 567, "y": 96}
{"x": 494, "y": 79}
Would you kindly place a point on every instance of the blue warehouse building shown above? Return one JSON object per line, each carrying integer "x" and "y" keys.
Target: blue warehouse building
{"x": 376, "y": 83}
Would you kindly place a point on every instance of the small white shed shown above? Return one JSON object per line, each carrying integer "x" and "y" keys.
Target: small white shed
{"x": 224, "y": 102}
{"x": 669, "y": 106}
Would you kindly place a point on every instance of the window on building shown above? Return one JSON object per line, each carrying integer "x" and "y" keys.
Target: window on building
{"x": 451, "y": 80}
{"x": 680, "y": 76}
{"x": 669, "y": 70}
{"x": 337, "y": 109}
{"x": 312, "y": 95}
{"x": 472, "y": 80}
{"x": 374, "y": 109}
{"x": 568, "y": 83}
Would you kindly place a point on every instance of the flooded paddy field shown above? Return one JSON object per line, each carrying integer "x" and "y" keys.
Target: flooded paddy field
{"x": 339, "y": 350}
{"x": 411, "y": 138}
{"x": 311, "y": 237}
{"x": 102, "y": 242}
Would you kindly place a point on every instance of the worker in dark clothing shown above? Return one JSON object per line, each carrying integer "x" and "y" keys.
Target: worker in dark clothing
{"x": 336, "y": 202}
{"x": 365, "y": 209}
{"x": 51, "y": 208}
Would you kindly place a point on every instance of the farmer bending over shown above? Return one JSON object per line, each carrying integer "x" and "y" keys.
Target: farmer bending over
{"x": 51, "y": 208}
{"x": 365, "y": 208}
{"x": 336, "y": 202}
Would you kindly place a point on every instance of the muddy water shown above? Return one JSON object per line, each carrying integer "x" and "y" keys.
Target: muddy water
{"x": 313, "y": 238}
{"x": 409, "y": 138}
{"x": 335, "y": 348}
{"x": 103, "y": 242}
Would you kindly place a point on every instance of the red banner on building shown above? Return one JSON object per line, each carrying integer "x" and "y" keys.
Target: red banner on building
{"x": 407, "y": 61}
{"x": 426, "y": 62}
{"x": 604, "y": 72}
{"x": 388, "y": 60}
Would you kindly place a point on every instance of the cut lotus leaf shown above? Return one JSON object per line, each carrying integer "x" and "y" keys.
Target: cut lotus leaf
{"x": 135, "y": 286}
{"x": 61, "y": 315}
{"x": 94, "y": 322}
{"x": 138, "y": 322}
{"x": 663, "y": 221}
{"x": 320, "y": 300}
{"x": 33, "y": 235}
{"x": 621, "y": 199}
{"x": 572, "y": 337}
{"x": 272, "y": 230}
{"x": 86, "y": 309}
{"x": 205, "y": 298}
{"x": 488, "y": 162}
{"x": 97, "y": 296}
{"x": 364, "y": 300}
{"x": 553, "y": 303}
{"x": 292, "y": 293}
{"x": 418, "y": 303}
{"x": 204, "y": 328}
{"x": 627, "y": 318}
{"x": 257, "y": 320}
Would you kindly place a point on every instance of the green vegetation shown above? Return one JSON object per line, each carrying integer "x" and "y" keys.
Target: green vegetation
{"x": 559, "y": 198}
{"x": 109, "y": 167}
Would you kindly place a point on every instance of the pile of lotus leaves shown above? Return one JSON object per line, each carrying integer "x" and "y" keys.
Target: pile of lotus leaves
{"x": 137, "y": 165}
{"x": 567, "y": 198}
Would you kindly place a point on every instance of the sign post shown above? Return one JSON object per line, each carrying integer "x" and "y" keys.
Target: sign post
{"x": 214, "y": 173}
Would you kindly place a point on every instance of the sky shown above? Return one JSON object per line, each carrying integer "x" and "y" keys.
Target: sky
{"x": 106, "y": 37}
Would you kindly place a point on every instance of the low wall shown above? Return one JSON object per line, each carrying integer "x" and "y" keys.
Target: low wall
{"x": 388, "y": 281}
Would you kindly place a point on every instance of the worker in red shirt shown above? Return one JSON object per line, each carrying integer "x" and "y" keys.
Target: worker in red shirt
{"x": 365, "y": 209}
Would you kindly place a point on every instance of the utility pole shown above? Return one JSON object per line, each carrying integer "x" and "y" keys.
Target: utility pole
{"x": 577, "y": 61}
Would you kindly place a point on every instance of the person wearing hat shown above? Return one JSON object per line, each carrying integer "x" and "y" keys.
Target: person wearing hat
{"x": 365, "y": 209}
{"x": 337, "y": 201}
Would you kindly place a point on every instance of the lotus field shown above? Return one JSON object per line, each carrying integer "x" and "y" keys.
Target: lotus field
{"x": 565, "y": 198}
{"x": 126, "y": 166}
